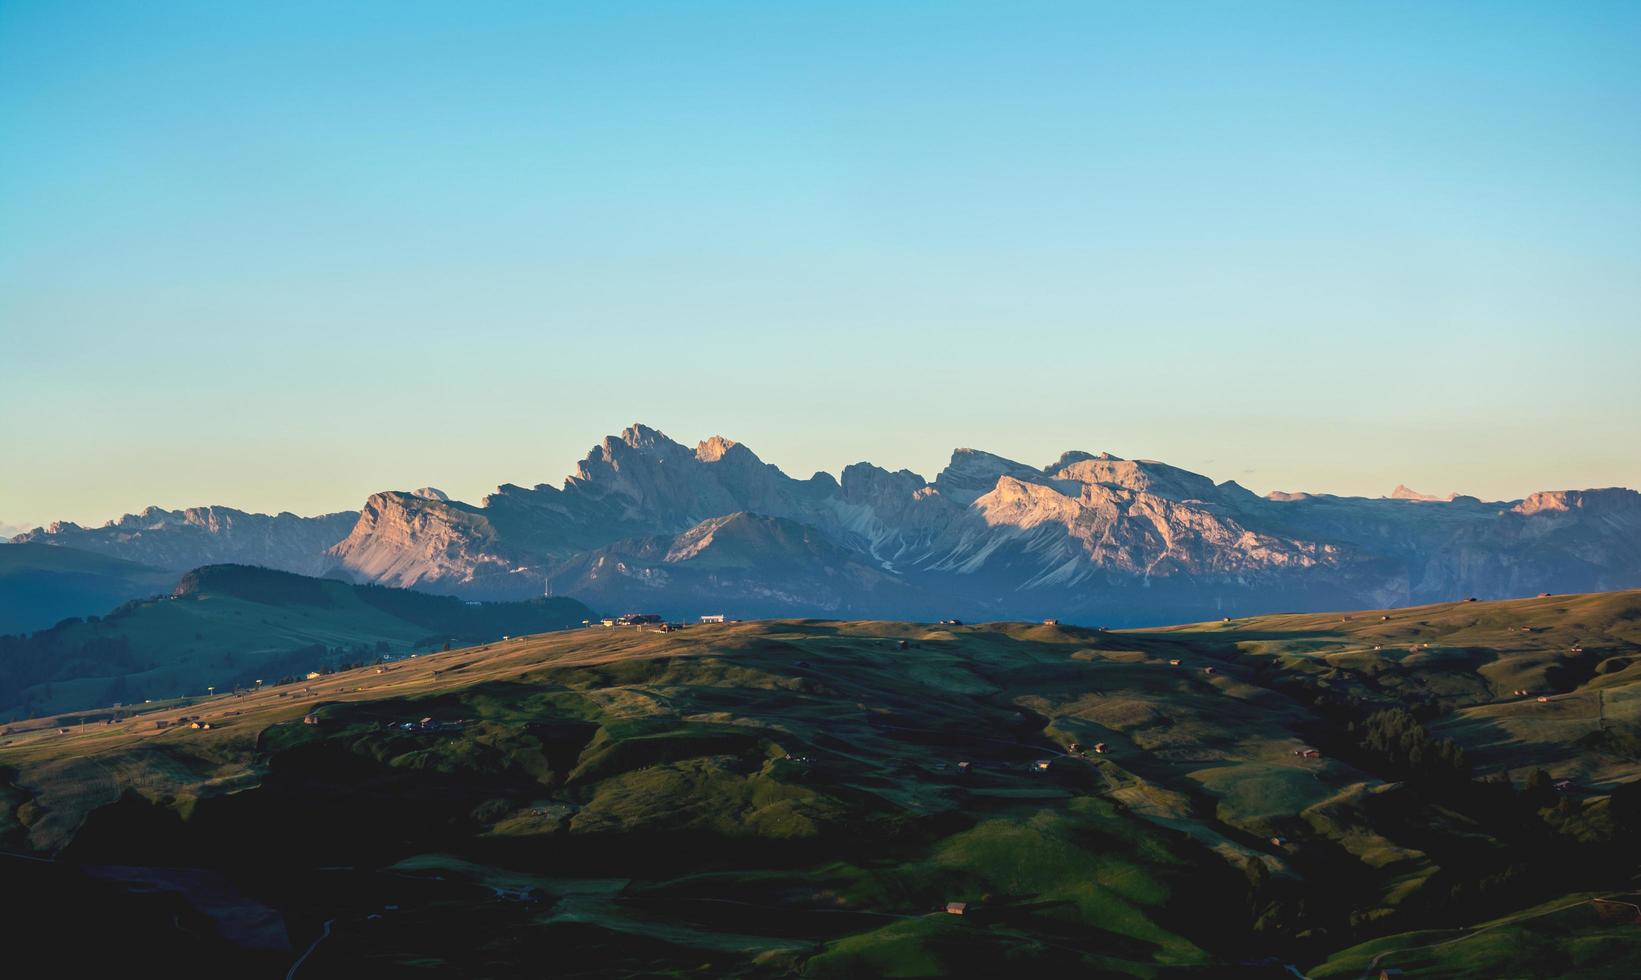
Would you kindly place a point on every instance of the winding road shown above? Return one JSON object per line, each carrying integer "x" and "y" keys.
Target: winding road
{"x": 323, "y": 935}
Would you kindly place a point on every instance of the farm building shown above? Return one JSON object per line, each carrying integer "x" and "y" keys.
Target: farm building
{"x": 1041, "y": 765}
{"x": 713, "y": 618}
{"x": 1174, "y": 662}
{"x": 957, "y": 908}
{"x": 636, "y": 619}
{"x": 1051, "y": 622}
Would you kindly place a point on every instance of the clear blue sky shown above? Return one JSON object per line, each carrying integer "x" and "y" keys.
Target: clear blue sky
{"x": 279, "y": 256}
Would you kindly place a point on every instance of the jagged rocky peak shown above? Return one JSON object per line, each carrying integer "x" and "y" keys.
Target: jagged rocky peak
{"x": 1404, "y": 492}
{"x": 714, "y": 449}
{"x": 868, "y": 483}
{"x": 973, "y": 472}
{"x": 1072, "y": 456}
{"x": 636, "y": 441}
{"x": 1066, "y": 459}
{"x": 153, "y": 518}
{"x": 393, "y": 505}
{"x": 431, "y": 493}
{"x": 727, "y": 452}
{"x": 149, "y": 517}
{"x": 641, "y": 437}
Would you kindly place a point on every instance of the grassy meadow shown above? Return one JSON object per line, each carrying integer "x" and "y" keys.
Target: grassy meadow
{"x": 784, "y": 798}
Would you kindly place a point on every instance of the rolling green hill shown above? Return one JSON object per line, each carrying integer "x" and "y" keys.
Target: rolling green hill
{"x": 791, "y": 798}
{"x": 41, "y": 584}
{"x": 230, "y": 625}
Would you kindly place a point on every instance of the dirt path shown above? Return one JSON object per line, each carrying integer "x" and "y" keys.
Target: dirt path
{"x": 323, "y": 935}
{"x": 1373, "y": 965}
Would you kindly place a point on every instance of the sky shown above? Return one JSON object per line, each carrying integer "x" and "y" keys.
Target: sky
{"x": 281, "y": 256}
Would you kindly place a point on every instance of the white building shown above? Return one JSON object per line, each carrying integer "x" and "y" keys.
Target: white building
{"x": 718, "y": 618}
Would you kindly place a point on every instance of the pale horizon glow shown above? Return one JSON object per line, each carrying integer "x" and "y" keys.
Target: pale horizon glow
{"x": 282, "y": 257}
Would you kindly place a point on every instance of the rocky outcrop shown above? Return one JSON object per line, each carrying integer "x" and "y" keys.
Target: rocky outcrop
{"x": 407, "y": 541}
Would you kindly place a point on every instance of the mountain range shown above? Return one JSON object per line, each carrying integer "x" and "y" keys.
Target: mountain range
{"x": 647, "y": 523}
